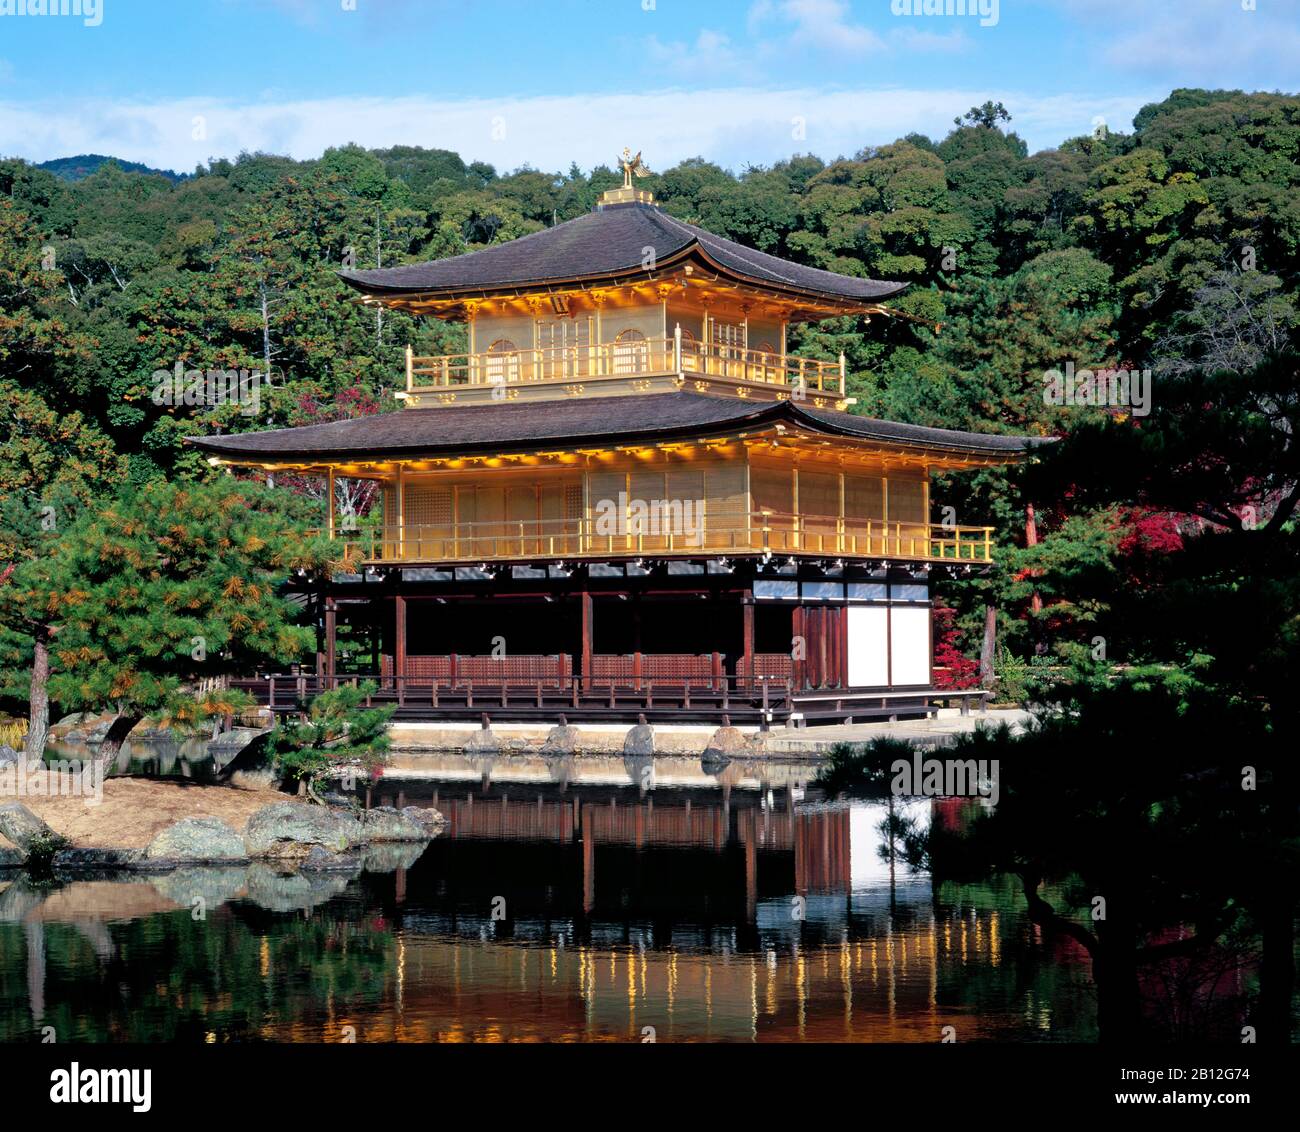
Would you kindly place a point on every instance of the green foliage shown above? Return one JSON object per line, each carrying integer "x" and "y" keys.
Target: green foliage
{"x": 862, "y": 769}
{"x": 160, "y": 589}
{"x": 338, "y": 734}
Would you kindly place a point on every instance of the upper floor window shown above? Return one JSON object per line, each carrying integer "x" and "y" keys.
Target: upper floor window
{"x": 631, "y": 353}
{"x": 690, "y": 350}
{"x": 502, "y": 363}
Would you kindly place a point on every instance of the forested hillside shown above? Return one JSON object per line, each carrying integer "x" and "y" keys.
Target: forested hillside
{"x": 1173, "y": 247}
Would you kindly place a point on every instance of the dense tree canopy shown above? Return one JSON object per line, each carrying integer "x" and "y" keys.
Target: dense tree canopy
{"x": 1172, "y": 248}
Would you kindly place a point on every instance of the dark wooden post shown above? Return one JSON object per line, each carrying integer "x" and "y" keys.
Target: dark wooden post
{"x": 823, "y": 624}
{"x": 586, "y": 614}
{"x": 798, "y": 647}
{"x": 331, "y": 636}
{"x": 399, "y": 646}
{"x": 747, "y": 658}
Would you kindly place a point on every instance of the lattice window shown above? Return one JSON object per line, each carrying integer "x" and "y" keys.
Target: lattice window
{"x": 428, "y": 506}
{"x": 907, "y": 501}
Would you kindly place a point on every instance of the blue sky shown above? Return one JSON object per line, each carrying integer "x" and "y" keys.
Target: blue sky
{"x": 546, "y": 82}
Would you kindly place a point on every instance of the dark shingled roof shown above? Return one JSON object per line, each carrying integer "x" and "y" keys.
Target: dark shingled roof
{"x": 534, "y": 426}
{"x": 608, "y": 243}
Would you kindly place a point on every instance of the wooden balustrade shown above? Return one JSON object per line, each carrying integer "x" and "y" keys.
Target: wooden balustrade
{"x": 716, "y": 533}
{"x": 670, "y": 355}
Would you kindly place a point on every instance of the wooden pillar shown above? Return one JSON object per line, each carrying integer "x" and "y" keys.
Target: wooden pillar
{"x": 399, "y": 642}
{"x": 799, "y": 662}
{"x": 331, "y": 635}
{"x": 319, "y": 625}
{"x": 747, "y": 660}
{"x": 820, "y": 653}
{"x": 586, "y": 614}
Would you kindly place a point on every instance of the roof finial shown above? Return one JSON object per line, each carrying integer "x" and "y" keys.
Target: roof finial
{"x": 632, "y": 167}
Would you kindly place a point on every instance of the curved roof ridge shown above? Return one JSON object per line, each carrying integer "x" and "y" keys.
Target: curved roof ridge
{"x": 608, "y": 242}
{"x": 532, "y": 426}
{"x": 764, "y": 263}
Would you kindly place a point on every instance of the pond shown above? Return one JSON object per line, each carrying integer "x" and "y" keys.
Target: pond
{"x": 556, "y": 913}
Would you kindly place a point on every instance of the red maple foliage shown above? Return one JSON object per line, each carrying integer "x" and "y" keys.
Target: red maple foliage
{"x": 952, "y": 667}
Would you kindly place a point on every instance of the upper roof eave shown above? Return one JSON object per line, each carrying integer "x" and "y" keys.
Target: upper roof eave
{"x": 615, "y": 240}
{"x": 506, "y": 428}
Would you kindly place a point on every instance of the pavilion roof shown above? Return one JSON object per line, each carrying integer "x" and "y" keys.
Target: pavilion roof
{"x": 610, "y": 245}
{"x": 581, "y": 422}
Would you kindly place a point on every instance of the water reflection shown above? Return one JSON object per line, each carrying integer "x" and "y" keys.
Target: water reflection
{"x": 552, "y": 912}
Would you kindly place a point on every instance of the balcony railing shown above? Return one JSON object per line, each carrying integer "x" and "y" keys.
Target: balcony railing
{"x": 646, "y": 357}
{"x": 726, "y": 533}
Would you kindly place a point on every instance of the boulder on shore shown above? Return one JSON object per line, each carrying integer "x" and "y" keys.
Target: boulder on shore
{"x": 11, "y": 858}
{"x": 726, "y": 743}
{"x": 275, "y": 830}
{"x": 198, "y": 840}
{"x": 19, "y": 825}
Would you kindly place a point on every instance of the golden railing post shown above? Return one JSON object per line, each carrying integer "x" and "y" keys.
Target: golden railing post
{"x": 329, "y": 500}
{"x": 843, "y": 375}
{"x": 677, "y": 349}
{"x": 401, "y": 512}
{"x": 410, "y": 368}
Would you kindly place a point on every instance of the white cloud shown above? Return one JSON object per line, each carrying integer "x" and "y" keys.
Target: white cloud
{"x": 711, "y": 52}
{"x": 734, "y": 126}
{"x": 821, "y": 25}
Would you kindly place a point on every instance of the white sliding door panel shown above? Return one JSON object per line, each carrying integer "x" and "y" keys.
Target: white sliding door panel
{"x": 909, "y": 645}
{"x": 868, "y": 646}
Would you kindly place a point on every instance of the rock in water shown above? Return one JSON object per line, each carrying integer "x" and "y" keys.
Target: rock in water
{"x": 727, "y": 743}
{"x": 11, "y": 858}
{"x": 640, "y": 740}
{"x": 19, "y": 825}
{"x": 560, "y": 742}
{"x": 276, "y": 829}
{"x": 383, "y": 823}
{"x": 432, "y": 820}
{"x": 482, "y": 742}
{"x": 198, "y": 839}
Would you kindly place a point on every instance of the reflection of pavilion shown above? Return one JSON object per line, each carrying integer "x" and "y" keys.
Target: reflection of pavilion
{"x": 626, "y": 913}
